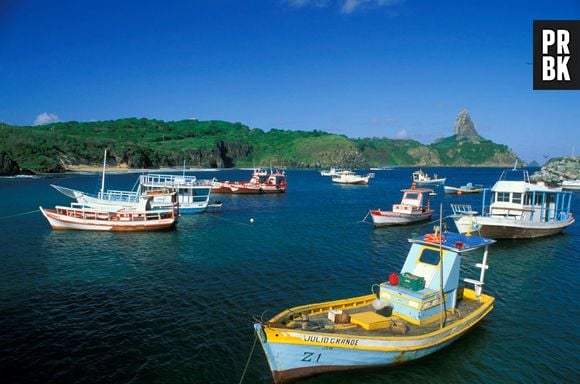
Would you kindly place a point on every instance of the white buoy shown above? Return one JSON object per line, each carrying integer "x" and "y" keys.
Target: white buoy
{"x": 251, "y": 220}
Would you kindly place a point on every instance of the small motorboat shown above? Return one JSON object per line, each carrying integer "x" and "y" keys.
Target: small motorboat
{"x": 422, "y": 179}
{"x": 414, "y": 207}
{"x": 467, "y": 188}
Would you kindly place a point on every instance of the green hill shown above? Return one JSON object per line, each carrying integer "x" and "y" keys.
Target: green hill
{"x": 146, "y": 143}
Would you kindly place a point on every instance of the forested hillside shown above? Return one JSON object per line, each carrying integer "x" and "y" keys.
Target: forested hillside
{"x": 145, "y": 143}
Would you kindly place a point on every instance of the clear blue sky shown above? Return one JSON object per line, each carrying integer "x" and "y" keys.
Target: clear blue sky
{"x": 399, "y": 69}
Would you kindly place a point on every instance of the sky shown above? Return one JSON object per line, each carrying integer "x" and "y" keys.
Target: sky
{"x": 363, "y": 68}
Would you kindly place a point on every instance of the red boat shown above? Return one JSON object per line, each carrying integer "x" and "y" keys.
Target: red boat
{"x": 274, "y": 182}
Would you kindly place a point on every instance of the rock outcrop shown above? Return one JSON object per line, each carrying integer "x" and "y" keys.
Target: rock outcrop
{"x": 8, "y": 167}
{"x": 464, "y": 128}
{"x": 559, "y": 169}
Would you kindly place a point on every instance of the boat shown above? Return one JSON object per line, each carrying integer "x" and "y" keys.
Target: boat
{"x": 517, "y": 209}
{"x": 331, "y": 172}
{"x": 193, "y": 195}
{"x": 414, "y": 207}
{"x": 467, "y": 188}
{"x": 381, "y": 168}
{"x": 81, "y": 217}
{"x": 422, "y": 179}
{"x": 571, "y": 185}
{"x": 349, "y": 177}
{"x": 273, "y": 182}
{"x": 404, "y": 321}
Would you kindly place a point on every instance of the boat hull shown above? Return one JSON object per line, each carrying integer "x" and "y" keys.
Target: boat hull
{"x": 295, "y": 354}
{"x": 430, "y": 183}
{"x": 62, "y": 222}
{"x": 502, "y": 228}
{"x": 386, "y": 218}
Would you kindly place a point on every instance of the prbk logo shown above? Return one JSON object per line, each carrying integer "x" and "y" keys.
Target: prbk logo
{"x": 556, "y": 54}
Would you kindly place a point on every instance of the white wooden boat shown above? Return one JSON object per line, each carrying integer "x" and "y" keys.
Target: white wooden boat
{"x": 414, "y": 207}
{"x": 80, "y": 217}
{"x": 349, "y": 177}
{"x": 416, "y": 313}
{"x": 467, "y": 188}
{"x": 517, "y": 209}
{"x": 422, "y": 179}
{"x": 192, "y": 195}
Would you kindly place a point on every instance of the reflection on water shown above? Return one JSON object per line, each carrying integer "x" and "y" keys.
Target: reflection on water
{"x": 177, "y": 306}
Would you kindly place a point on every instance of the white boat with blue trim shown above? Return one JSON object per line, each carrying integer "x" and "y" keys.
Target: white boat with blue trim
{"x": 404, "y": 321}
{"x": 517, "y": 209}
{"x": 422, "y": 179}
{"x": 192, "y": 195}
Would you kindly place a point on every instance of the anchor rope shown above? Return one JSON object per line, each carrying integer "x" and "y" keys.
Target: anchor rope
{"x": 19, "y": 214}
{"x": 224, "y": 219}
{"x": 249, "y": 358}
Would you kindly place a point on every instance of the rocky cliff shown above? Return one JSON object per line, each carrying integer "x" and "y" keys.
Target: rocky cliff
{"x": 8, "y": 167}
{"x": 464, "y": 128}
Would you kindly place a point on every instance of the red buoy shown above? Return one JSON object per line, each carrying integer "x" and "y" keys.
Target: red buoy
{"x": 394, "y": 278}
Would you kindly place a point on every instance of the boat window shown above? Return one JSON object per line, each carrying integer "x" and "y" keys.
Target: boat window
{"x": 503, "y": 197}
{"x": 517, "y": 198}
{"x": 429, "y": 256}
{"x": 528, "y": 199}
{"x": 413, "y": 196}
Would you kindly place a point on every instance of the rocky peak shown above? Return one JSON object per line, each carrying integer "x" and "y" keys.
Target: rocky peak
{"x": 464, "y": 128}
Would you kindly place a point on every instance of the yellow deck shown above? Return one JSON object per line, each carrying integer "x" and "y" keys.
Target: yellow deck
{"x": 370, "y": 320}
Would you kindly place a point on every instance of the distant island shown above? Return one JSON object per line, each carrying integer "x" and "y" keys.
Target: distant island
{"x": 146, "y": 143}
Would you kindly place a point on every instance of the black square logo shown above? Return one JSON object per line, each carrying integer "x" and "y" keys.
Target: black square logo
{"x": 556, "y": 54}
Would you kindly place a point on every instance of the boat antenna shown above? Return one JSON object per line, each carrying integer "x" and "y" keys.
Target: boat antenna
{"x": 103, "y": 178}
{"x": 515, "y": 165}
{"x": 184, "y": 166}
{"x": 442, "y": 297}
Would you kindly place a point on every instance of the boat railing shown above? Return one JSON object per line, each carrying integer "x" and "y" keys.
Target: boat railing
{"x": 463, "y": 209}
{"x": 171, "y": 181}
{"x": 114, "y": 195}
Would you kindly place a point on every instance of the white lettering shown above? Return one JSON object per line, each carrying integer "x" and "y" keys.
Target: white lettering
{"x": 563, "y": 40}
{"x": 548, "y": 70}
{"x": 563, "y": 73}
{"x": 548, "y": 39}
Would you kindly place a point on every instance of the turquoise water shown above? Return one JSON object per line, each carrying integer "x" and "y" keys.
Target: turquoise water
{"x": 177, "y": 307}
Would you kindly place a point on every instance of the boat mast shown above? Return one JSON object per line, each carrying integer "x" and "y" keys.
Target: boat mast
{"x": 103, "y": 178}
{"x": 442, "y": 297}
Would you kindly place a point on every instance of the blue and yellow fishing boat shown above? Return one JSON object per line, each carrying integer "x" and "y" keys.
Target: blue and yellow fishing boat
{"x": 402, "y": 320}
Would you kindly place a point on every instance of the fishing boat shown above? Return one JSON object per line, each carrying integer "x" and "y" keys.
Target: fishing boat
{"x": 193, "y": 195}
{"x": 349, "y": 177}
{"x": 80, "y": 217}
{"x": 571, "y": 185}
{"x": 422, "y": 179}
{"x": 414, "y": 207}
{"x": 406, "y": 319}
{"x": 467, "y": 188}
{"x": 273, "y": 182}
{"x": 331, "y": 172}
{"x": 517, "y": 209}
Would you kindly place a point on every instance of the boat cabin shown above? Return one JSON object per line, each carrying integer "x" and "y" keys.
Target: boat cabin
{"x": 416, "y": 296}
{"x": 413, "y": 200}
{"x": 526, "y": 201}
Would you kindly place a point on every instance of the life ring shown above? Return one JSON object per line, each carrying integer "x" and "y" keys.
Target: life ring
{"x": 434, "y": 238}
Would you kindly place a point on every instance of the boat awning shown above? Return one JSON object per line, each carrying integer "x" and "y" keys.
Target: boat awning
{"x": 456, "y": 242}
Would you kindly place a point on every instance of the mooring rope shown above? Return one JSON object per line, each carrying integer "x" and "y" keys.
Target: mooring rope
{"x": 249, "y": 358}
{"x": 224, "y": 219}
{"x": 19, "y": 214}
{"x": 365, "y": 218}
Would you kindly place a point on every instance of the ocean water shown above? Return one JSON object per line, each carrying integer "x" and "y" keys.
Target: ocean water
{"x": 178, "y": 306}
